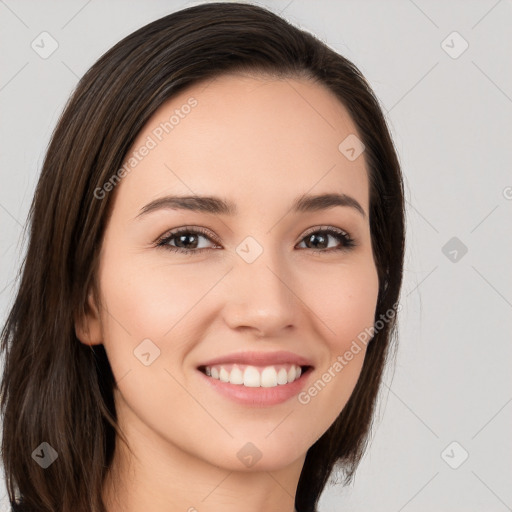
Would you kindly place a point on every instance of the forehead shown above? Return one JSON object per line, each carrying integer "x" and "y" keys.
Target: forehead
{"x": 241, "y": 135}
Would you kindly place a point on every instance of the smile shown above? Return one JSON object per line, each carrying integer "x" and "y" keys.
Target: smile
{"x": 254, "y": 376}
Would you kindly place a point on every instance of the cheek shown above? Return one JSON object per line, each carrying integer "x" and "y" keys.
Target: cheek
{"x": 144, "y": 300}
{"x": 150, "y": 300}
{"x": 344, "y": 300}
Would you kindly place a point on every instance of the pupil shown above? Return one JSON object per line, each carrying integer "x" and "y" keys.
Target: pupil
{"x": 311, "y": 240}
{"x": 313, "y": 236}
{"x": 182, "y": 237}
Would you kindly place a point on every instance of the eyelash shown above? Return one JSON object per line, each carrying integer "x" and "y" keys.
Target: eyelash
{"x": 348, "y": 241}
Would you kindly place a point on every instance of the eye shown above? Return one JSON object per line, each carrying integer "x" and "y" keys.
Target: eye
{"x": 319, "y": 237}
{"x": 186, "y": 240}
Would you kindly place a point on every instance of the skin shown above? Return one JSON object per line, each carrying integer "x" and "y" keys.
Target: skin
{"x": 259, "y": 142}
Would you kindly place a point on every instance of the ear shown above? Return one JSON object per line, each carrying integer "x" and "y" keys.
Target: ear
{"x": 88, "y": 328}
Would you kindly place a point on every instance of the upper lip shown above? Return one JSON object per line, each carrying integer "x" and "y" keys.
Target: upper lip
{"x": 259, "y": 359}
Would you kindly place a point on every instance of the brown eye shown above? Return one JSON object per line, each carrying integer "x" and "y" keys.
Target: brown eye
{"x": 319, "y": 239}
{"x": 185, "y": 240}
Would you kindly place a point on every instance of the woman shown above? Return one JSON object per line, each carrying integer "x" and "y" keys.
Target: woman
{"x": 210, "y": 290}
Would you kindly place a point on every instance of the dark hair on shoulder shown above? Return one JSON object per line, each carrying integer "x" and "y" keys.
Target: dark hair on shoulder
{"x": 57, "y": 390}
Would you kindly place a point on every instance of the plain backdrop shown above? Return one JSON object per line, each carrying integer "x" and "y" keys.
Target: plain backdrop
{"x": 442, "y": 71}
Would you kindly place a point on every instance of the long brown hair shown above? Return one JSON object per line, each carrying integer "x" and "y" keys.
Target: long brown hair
{"x": 59, "y": 391}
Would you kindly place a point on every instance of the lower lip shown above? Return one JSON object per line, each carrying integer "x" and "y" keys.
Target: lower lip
{"x": 258, "y": 397}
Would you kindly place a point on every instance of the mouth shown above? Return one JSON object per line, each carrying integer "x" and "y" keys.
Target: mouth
{"x": 252, "y": 376}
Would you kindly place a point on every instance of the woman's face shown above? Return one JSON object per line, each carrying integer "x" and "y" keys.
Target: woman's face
{"x": 267, "y": 278}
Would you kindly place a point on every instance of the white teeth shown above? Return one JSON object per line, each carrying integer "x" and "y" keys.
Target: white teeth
{"x": 282, "y": 376}
{"x": 269, "y": 377}
{"x": 223, "y": 375}
{"x": 236, "y": 376}
{"x": 253, "y": 377}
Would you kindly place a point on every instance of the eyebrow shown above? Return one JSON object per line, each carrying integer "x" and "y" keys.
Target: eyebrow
{"x": 217, "y": 206}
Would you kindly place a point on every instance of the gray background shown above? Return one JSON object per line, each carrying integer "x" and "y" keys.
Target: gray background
{"x": 451, "y": 119}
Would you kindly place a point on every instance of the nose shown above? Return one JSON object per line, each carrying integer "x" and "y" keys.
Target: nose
{"x": 261, "y": 296}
